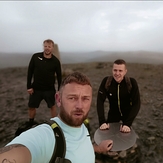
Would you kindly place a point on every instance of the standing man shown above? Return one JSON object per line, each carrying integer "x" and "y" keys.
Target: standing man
{"x": 43, "y": 68}
{"x": 123, "y": 95}
{"x": 37, "y": 144}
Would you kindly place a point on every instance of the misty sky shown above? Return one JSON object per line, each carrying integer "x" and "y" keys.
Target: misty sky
{"x": 81, "y": 25}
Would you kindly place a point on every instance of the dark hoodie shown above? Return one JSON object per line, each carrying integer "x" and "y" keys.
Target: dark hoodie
{"x": 129, "y": 105}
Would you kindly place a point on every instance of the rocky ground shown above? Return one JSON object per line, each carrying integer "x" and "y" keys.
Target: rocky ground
{"x": 148, "y": 123}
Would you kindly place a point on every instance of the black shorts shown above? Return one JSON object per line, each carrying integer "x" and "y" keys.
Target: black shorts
{"x": 36, "y": 98}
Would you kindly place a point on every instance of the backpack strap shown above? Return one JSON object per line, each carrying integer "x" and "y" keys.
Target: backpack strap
{"x": 127, "y": 79}
{"x": 60, "y": 145}
{"x": 128, "y": 82}
{"x": 108, "y": 82}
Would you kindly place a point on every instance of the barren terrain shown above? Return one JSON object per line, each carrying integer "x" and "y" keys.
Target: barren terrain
{"x": 148, "y": 123}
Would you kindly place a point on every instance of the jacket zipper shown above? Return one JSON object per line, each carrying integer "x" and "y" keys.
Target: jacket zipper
{"x": 119, "y": 100}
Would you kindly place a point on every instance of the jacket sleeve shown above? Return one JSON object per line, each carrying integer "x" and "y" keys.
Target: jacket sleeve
{"x": 135, "y": 103}
{"x": 59, "y": 74}
{"x": 101, "y": 97}
{"x": 30, "y": 73}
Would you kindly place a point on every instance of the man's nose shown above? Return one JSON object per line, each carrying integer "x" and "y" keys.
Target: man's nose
{"x": 79, "y": 103}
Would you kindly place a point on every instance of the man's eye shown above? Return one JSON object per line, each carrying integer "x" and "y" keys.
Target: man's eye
{"x": 86, "y": 99}
{"x": 72, "y": 98}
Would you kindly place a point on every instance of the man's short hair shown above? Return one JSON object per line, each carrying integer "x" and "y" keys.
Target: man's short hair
{"x": 49, "y": 41}
{"x": 120, "y": 62}
{"x": 76, "y": 77}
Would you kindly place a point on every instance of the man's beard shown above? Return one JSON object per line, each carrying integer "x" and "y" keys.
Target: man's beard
{"x": 69, "y": 120}
{"x": 47, "y": 53}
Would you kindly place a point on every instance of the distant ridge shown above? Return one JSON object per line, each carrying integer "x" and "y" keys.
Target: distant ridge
{"x": 14, "y": 60}
{"x": 110, "y": 56}
{"x": 22, "y": 60}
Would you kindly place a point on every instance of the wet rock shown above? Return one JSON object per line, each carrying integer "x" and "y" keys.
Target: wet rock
{"x": 132, "y": 155}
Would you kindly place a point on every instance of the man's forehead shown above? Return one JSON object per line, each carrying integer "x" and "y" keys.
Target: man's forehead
{"x": 120, "y": 66}
{"x": 48, "y": 43}
{"x": 73, "y": 88}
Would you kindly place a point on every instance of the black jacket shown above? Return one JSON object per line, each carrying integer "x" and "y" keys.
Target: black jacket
{"x": 129, "y": 102}
{"x": 42, "y": 71}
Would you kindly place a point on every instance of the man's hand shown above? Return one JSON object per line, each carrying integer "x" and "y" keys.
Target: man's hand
{"x": 30, "y": 91}
{"x": 104, "y": 126}
{"x": 124, "y": 128}
{"x": 104, "y": 147}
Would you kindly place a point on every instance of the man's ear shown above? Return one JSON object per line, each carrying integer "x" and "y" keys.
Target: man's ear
{"x": 58, "y": 98}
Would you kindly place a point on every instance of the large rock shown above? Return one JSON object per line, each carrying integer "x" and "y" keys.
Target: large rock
{"x": 132, "y": 155}
{"x": 56, "y": 52}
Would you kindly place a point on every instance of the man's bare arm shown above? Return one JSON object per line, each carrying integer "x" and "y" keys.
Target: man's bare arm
{"x": 15, "y": 153}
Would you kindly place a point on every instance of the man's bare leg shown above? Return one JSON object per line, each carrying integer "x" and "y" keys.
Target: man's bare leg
{"x": 31, "y": 114}
{"x": 53, "y": 111}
